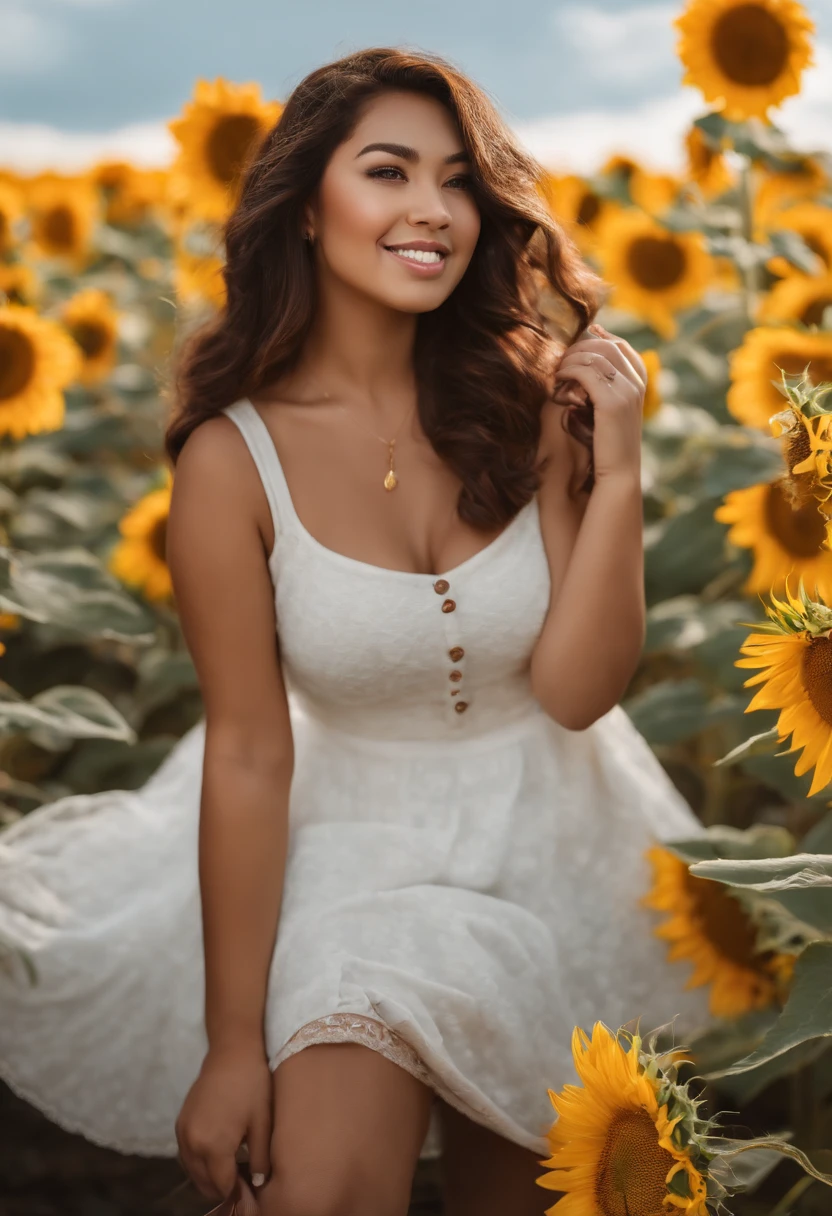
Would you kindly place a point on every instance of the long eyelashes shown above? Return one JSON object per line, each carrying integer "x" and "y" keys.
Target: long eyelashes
{"x": 460, "y": 177}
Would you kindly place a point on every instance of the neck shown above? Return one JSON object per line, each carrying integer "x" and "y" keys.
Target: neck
{"x": 361, "y": 351}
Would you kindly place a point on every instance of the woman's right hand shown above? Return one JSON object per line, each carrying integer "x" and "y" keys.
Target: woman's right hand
{"x": 230, "y": 1101}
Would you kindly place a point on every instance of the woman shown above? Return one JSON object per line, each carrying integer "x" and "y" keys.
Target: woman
{"x": 421, "y": 812}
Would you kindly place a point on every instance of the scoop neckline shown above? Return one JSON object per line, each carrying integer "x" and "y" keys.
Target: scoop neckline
{"x": 356, "y": 562}
{"x": 344, "y": 559}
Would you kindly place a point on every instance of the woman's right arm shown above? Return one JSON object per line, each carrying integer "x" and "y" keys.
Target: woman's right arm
{"x": 225, "y": 601}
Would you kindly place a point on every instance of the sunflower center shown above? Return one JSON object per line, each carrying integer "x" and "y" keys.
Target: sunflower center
{"x": 725, "y": 923}
{"x": 798, "y": 447}
{"x": 90, "y": 337}
{"x": 17, "y": 362}
{"x": 59, "y": 227}
{"x": 816, "y": 670}
{"x": 157, "y": 539}
{"x": 632, "y": 1167}
{"x": 655, "y": 262}
{"x": 589, "y": 208}
{"x": 228, "y": 145}
{"x": 800, "y": 530}
{"x": 750, "y": 45}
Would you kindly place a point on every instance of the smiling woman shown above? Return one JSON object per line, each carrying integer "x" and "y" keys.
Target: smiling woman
{"x": 354, "y": 917}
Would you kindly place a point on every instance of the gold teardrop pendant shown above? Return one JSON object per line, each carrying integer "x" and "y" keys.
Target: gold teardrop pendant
{"x": 391, "y": 481}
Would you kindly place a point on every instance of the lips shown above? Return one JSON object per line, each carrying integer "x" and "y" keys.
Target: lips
{"x": 427, "y": 268}
{"x": 421, "y": 247}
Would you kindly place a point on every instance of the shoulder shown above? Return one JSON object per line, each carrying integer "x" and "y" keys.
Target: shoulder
{"x": 567, "y": 459}
{"x": 214, "y": 451}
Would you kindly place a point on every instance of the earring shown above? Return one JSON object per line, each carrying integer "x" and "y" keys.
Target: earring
{"x": 308, "y": 237}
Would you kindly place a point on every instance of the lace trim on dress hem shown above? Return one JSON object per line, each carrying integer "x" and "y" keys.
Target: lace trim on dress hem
{"x": 375, "y": 1034}
{"x": 356, "y": 1028}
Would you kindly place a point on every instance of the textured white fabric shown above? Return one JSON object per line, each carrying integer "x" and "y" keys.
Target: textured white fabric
{"x": 470, "y": 880}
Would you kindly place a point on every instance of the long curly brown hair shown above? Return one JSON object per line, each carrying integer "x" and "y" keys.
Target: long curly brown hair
{"x": 483, "y": 359}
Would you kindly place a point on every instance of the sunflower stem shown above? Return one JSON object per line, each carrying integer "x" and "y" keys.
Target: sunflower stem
{"x": 785, "y": 1204}
{"x": 748, "y": 271}
{"x": 716, "y": 778}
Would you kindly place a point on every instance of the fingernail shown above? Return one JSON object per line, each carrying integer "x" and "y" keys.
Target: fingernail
{"x": 258, "y": 1179}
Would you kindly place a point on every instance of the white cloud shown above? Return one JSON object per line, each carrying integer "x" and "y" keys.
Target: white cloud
{"x": 32, "y": 147}
{"x": 807, "y": 118}
{"x": 28, "y": 42}
{"x": 577, "y": 141}
{"x": 580, "y": 140}
{"x": 624, "y": 47}
{"x": 652, "y": 131}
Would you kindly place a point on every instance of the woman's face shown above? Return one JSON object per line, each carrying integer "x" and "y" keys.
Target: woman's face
{"x": 414, "y": 193}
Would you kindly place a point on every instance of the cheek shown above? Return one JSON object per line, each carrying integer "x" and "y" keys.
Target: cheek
{"x": 467, "y": 224}
{"x": 357, "y": 213}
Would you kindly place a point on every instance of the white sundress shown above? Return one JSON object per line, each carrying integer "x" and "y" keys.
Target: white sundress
{"x": 463, "y": 875}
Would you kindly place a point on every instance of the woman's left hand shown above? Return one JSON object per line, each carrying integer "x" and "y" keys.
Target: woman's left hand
{"x": 614, "y": 378}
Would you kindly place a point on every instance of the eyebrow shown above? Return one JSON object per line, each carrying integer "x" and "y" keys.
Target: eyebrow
{"x": 410, "y": 154}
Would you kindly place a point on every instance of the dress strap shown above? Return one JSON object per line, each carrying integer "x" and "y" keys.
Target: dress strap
{"x": 264, "y": 454}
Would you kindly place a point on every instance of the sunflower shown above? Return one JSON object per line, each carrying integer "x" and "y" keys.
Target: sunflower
{"x": 198, "y": 277}
{"x": 218, "y": 133}
{"x": 765, "y": 350}
{"x": 37, "y": 361}
{"x": 712, "y": 928}
{"x": 654, "y": 272}
{"x": 132, "y": 194}
{"x": 795, "y": 651}
{"x": 745, "y": 56}
{"x": 11, "y": 209}
{"x": 654, "y": 192}
{"x": 652, "y": 397}
{"x": 617, "y": 1150}
{"x": 18, "y": 283}
{"x": 579, "y": 207}
{"x": 811, "y": 222}
{"x": 92, "y": 322}
{"x": 619, "y": 165}
{"x": 139, "y": 558}
{"x": 706, "y": 164}
{"x": 783, "y": 539}
{"x": 804, "y": 428}
{"x": 800, "y": 298}
{"x": 63, "y": 212}
{"x": 803, "y": 181}
{"x": 807, "y": 444}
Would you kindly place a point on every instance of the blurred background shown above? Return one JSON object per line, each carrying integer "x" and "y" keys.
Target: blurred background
{"x": 687, "y": 149}
{"x": 80, "y": 79}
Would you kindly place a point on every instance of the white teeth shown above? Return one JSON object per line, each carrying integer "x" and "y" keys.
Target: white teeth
{"x": 418, "y": 255}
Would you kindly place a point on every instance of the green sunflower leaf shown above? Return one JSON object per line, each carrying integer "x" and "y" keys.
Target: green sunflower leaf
{"x": 807, "y": 1014}
{"x": 801, "y": 883}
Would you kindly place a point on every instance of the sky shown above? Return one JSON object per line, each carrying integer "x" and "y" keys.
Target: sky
{"x": 83, "y": 79}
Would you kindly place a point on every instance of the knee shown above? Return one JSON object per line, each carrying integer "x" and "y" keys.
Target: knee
{"x": 325, "y": 1193}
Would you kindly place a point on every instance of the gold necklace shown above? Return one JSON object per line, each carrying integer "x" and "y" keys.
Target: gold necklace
{"x": 391, "y": 480}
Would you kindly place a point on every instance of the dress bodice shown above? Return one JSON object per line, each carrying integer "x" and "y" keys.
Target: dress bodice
{"x": 392, "y": 654}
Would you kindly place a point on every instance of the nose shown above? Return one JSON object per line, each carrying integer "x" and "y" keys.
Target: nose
{"x": 427, "y": 206}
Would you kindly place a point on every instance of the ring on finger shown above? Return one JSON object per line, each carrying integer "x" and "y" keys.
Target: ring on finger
{"x": 589, "y": 361}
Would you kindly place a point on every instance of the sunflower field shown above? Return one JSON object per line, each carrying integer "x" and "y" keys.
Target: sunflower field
{"x": 722, "y": 277}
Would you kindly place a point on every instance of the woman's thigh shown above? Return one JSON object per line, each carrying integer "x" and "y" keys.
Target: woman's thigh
{"x": 348, "y": 1127}
{"x": 484, "y": 1174}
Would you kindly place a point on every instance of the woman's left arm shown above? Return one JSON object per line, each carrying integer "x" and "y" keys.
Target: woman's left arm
{"x": 593, "y": 634}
